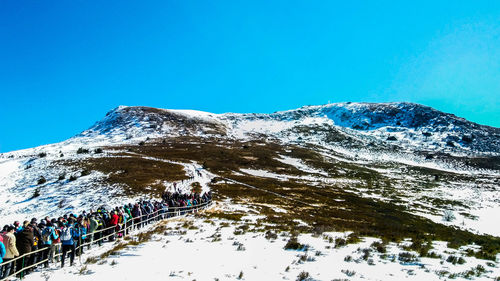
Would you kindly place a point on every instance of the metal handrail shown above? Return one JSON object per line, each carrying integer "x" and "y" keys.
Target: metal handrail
{"x": 154, "y": 215}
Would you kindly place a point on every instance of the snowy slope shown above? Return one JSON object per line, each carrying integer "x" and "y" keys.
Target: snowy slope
{"x": 355, "y": 133}
{"x": 406, "y": 125}
{"x": 210, "y": 250}
{"x": 404, "y": 154}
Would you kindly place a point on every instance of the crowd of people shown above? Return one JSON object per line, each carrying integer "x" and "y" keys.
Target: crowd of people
{"x": 52, "y": 239}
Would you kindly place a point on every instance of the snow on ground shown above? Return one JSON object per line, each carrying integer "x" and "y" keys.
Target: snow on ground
{"x": 19, "y": 182}
{"x": 299, "y": 164}
{"x": 265, "y": 174}
{"x": 483, "y": 221}
{"x": 211, "y": 250}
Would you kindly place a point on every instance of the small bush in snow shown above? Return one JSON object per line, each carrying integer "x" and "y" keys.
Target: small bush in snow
{"x": 98, "y": 150}
{"x": 73, "y": 178}
{"x": 407, "y": 257}
{"x": 271, "y": 235}
{"x": 366, "y": 254}
{"x": 340, "y": 242}
{"x": 448, "y": 215}
{"x": 379, "y": 246}
{"x": 475, "y": 271}
{"x": 318, "y": 230}
{"x": 490, "y": 264}
{"x": 61, "y": 177}
{"x": 85, "y": 173}
{"x": 41, "y": 180}
{"x": 36, "y": 193}
{"x": 82, "y": 150}
{"x": 42, "y": 154}
{"x": 303, "y": 276}
{"x": 240, "y": 276}
{"x": 433, "y": 255}
{"x": 454, "y": 260}
{"x": 353, "y": 238}
{"x": 61, "y": 203}
{"x": 348, "y": 258}
{"x": 293, "y": 244}
{"x": 349, "y": 273}
{"x": 84, "y": 270}
{"x": 303, "y": 258}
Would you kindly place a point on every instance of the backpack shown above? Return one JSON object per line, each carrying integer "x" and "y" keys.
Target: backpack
{"x": 46, "y": 234}
{"x": 66, "y": 234}
{"x": 83, "y": 232}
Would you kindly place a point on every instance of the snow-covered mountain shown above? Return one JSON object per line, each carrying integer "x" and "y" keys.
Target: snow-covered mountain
{"x": 387, "y": 170}
{"x": 405, "y": 125}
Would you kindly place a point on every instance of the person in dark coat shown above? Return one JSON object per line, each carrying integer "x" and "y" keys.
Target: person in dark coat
{"x": 24, "y": 244}
{"x": 25, "y": 240}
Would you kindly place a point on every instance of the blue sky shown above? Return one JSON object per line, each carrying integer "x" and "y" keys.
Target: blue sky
{"x": 64, "y": 64}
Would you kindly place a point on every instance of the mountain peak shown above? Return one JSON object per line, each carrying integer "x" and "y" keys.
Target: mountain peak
{"x": 405, "y": 124}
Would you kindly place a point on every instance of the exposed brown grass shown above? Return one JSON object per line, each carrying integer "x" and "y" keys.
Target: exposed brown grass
{"x": 325, "y": 206}
{"x": 136, "y": 174}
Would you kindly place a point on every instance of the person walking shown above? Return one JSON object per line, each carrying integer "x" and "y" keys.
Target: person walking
{"x": 24, "y": 243}
{"x": 3, "y": 251}
{"x": 93, "y": 225}
{"x": 9, "y": 240}
{"x": 113, "y": 221}
{"x": 49, "y": 235}
{"x": 68, "y": 235}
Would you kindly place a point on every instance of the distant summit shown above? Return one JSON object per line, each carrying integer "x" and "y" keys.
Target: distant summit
{"x": 408, "y": 126}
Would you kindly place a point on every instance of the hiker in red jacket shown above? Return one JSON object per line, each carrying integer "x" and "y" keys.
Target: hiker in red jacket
{"x": 113, "y": 221}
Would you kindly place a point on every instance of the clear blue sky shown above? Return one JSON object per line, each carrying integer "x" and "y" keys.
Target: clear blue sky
{"x": 64, "y": 64}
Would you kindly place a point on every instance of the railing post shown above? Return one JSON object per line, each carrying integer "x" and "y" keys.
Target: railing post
{"x": 22, "y": 268}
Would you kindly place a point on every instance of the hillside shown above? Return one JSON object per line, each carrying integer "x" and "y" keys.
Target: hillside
{"x": 388, "y": 171}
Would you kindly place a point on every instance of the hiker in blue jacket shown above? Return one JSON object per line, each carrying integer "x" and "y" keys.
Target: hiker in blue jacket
{"x": 49, "y": 235}
{"x": 68, "y": 236}
{"x": 3, "y": 251}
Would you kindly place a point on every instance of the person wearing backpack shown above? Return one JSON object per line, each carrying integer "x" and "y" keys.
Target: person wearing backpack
{"x": 68, "y": 235}
{"x": 82, "y": 230}
{"x": 99, "y": 230}
{"x": 137, "y": 214}
{"x": 37, "y": 237}
{"x": 49, "y": 235}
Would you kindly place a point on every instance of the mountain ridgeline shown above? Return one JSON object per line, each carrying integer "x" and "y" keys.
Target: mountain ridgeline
{"x": 401, "y": 126}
